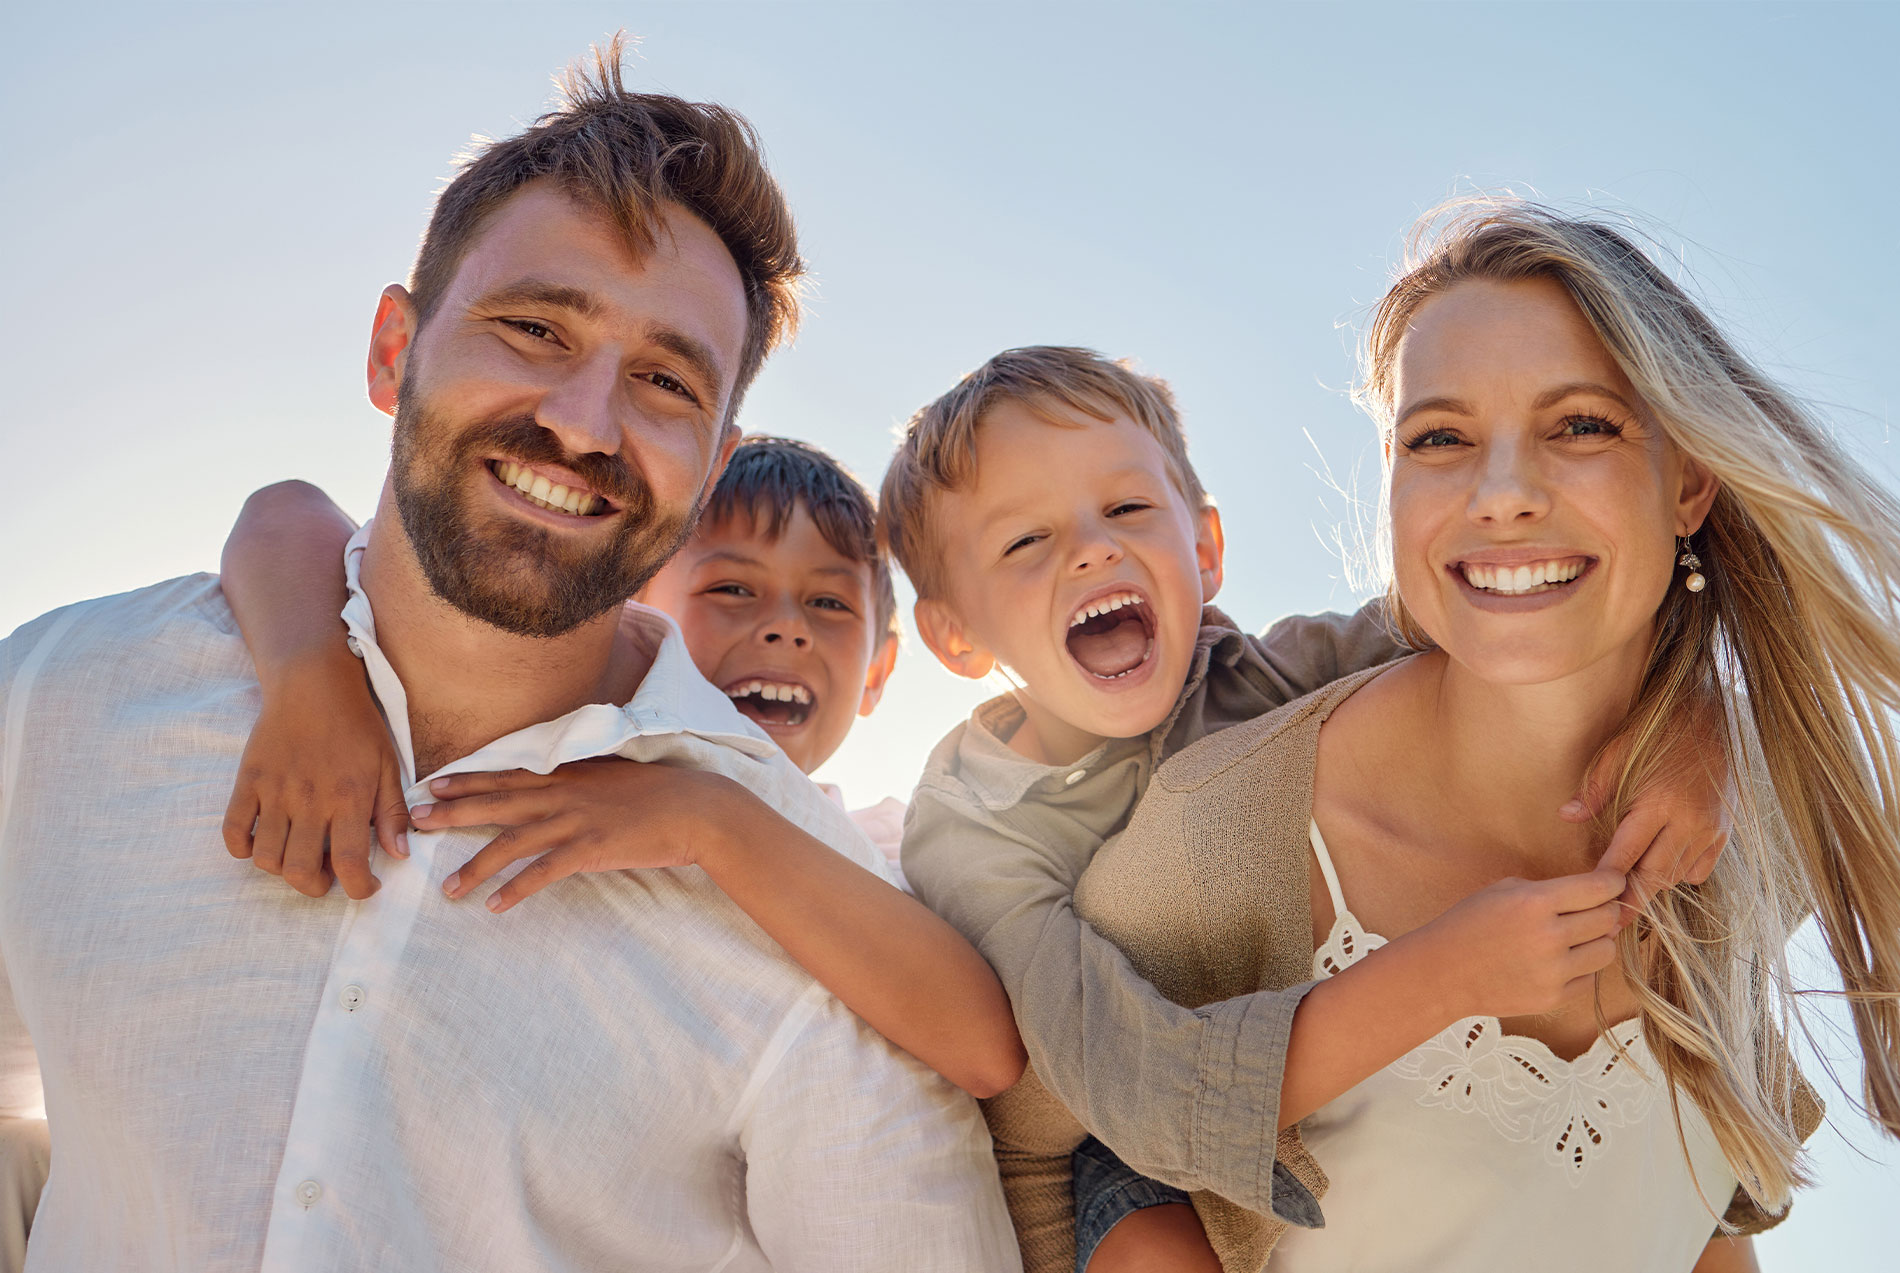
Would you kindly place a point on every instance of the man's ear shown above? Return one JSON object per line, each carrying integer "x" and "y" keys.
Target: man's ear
{"x": 1210, "y": 553}
{"x": 943, "y": 632}
{"x": 389, "y": 346}
{"x": 1699, "y": 488}
{"x": 877, "y": 674}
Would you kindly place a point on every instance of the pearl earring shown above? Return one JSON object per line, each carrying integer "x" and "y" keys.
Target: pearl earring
{"x": 1695, "y": 582}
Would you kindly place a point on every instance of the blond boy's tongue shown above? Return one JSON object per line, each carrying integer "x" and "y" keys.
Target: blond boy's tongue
{"x": 1110, "y": 644}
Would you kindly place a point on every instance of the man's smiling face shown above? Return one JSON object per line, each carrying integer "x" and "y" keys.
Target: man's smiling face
{"x": 562, "y": 412}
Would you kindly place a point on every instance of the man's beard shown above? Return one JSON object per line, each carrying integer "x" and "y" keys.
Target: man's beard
{"x": 522, "y": 578}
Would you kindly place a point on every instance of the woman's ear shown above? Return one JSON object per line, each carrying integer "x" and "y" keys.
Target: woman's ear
{"x": 944, "y": 633}
{"x": 876, "y": 675}
{"x": 1695, "y": 497}
{"x": 389, "y": 341}
{"x": 1210, "y": 552}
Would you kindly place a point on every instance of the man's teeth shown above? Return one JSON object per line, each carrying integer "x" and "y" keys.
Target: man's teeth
{"x": 771, "y": 691}
{"x": 538, "y": 490}
{"x": 1104, "y": 606}
{"x": 1512, "y": 580}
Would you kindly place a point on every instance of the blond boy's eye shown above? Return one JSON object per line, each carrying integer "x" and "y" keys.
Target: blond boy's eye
{"x": 831, "y": 603}
{"x": 1132, "y": 506}
{"x": 1024, "y": 542}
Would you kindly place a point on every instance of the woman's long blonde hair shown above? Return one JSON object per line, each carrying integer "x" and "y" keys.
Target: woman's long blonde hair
{"x": 1795, "y": 639}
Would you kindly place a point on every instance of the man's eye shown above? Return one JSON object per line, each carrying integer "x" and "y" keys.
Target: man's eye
{"x": 528, "y": 327}
{"x": 660, "y": 380}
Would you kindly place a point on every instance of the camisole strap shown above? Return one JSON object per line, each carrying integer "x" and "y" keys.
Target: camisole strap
{"x": 1326, "y": 867}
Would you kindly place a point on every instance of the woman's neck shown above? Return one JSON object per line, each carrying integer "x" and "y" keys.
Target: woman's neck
{"x": 1506, "y": 758}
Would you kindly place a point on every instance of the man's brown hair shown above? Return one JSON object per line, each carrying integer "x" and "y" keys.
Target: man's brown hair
{"x": 768, "y": 479}
{"x": 938, "y": 452}
{"x": 625, "y": 154}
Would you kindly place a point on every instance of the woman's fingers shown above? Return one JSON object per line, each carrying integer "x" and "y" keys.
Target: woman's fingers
{"x": 1579, "y": 927}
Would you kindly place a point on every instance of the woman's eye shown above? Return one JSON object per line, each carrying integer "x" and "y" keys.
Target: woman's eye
{"x": 1433, "y": 440}
{"x": 1588, "y": 426}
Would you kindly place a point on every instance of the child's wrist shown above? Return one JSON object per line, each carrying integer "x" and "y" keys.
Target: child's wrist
{"x": 326, "y": 662}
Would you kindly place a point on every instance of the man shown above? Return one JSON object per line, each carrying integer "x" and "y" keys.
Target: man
{"x": 634, "y": 1077}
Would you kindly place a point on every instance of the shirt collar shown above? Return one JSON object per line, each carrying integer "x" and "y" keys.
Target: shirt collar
{"x": 673, "y": 698}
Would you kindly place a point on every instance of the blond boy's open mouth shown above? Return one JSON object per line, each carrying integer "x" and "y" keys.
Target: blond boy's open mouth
{"x": 784, "y": 704}
{"x": 1113, "y": 635}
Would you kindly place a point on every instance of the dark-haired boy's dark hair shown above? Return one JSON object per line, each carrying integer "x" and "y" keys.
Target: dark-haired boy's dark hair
{"x": 769, "y": 479}
{"x": 625, "y": 155}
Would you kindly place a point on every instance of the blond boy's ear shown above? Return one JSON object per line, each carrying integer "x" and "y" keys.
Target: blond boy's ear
{"x": 944, "y": 633}
{"x": 1210, "y": 552}
{"x": 877, "y": 674}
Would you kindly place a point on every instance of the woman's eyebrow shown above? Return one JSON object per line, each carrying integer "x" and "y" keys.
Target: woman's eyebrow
{"x": 1551, "y": 397}
{"x": 1456, "y": 406}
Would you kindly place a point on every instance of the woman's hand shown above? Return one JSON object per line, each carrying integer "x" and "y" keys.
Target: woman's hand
{"x": 319, "y": 772}
{"x": 606, "y": 814}
{"x": 1520, "y": 947}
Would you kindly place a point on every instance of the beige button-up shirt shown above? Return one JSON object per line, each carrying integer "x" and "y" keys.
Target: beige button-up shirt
{"x": 623, "y": 1073}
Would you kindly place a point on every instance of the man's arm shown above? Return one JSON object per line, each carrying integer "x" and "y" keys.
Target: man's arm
{"x": 859, "y": 1158}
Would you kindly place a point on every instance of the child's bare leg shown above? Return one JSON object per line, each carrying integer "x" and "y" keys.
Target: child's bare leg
{"x": 1164, "y": 1239}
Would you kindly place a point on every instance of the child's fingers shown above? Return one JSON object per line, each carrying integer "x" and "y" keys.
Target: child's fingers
{"x": 303, "y": 858}
{"x": 349, "y": 856}
{"x": 457, "y": 785}
{"x": 494, "y": 808}
{"x": 392, "y": 811}
{"x": 240, "y": 818}
{"x": 556, "y": 864}
{"x": 513, "y": 844}
{"x": 267, "y": 843}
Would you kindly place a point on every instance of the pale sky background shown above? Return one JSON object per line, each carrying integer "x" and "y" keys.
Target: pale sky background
{"x": 203, "y": 200}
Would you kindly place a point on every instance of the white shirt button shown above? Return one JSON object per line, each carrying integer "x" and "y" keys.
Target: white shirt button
{"x": 356, "y": 647}
{"x": 1075, "y": 777}
{"x": 351, "y": 998}
{"x": 308, "y": 1192}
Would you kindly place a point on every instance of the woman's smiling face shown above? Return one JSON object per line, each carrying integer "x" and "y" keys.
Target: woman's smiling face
{"x": 1535, "y": 505}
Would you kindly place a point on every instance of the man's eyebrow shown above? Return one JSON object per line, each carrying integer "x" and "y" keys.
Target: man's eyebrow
{"x": 695, "y": 353}
{"x": 1456, "y": 406}
{"x": 540, "y": 292}
{"x": 1551, "y": 397}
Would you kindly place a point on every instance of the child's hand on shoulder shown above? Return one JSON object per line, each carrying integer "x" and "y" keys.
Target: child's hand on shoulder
{"x": 1520, "y": 947}
{"x": 605, "y": 814}
{"x": 318, "y": 775}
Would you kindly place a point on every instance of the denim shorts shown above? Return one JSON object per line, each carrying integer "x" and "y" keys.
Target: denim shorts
{"x": 1108, "y": 1191}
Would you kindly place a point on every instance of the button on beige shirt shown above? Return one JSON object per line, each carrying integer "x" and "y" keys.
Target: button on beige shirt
{"x": 622, "y": 1073}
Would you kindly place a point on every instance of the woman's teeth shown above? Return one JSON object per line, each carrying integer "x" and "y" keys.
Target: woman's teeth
{"x": 538, "y": 490}
{"x": 1511, "y": 581}
{"x": 1104, "y": 606}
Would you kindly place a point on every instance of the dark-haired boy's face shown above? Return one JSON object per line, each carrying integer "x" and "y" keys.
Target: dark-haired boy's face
{"x": 562, "y": 412}
{"x": 787, "y": 627}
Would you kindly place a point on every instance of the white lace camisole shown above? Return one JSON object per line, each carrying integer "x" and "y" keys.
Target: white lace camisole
{"x": 1483, "y": 1150}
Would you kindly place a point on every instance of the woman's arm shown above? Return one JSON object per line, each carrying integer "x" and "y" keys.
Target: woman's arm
{"x": 319, "y": 768}
{"x": 881, "y": 952}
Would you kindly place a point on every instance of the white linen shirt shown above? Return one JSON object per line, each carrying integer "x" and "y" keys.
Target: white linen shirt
{"x": 623, "y": 1073}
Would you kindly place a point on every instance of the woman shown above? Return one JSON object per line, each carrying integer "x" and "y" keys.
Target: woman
{"x": 1601, "y": 516}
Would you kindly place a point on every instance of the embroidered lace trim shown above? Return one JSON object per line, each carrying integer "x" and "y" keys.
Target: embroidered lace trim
{"x": 1516, "y": 1083}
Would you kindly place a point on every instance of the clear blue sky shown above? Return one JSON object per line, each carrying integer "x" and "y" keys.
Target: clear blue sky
{"x": 202, "y": 201}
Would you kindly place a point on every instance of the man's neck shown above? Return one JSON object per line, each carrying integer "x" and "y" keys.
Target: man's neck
{"x": 469, "y": 683}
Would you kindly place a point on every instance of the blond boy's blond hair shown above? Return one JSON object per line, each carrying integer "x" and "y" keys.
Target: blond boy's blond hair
{"x": 938, "y": 453}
